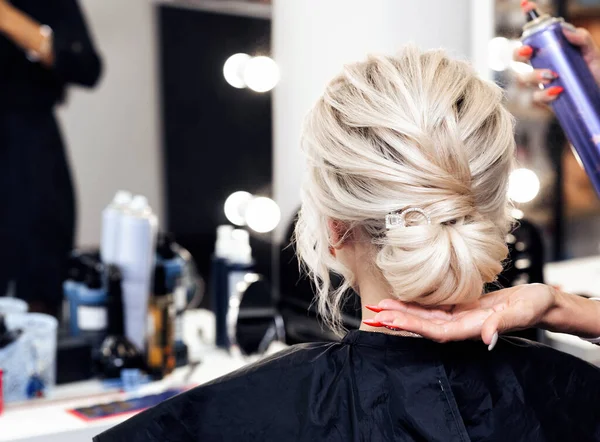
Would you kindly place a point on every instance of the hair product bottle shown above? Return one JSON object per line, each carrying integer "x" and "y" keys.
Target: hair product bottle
{"x": 161, "y": 319}
{"x": 111, "y": 225}
{"x": 135, "y": 258}
{"x": 239, "y": 266}
{"x": 116, "y": 352}
{"x": 219, "y": 283}
{"x": 578, "y": 106}
{"x": 168, "y": 254}
{"x": 91, "y": 314}
{"x": 87, "y": 299}
{"x": 71, "y": 288}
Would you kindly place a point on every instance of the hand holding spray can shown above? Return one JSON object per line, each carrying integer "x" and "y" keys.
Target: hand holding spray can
{"x": 578, "y": 106}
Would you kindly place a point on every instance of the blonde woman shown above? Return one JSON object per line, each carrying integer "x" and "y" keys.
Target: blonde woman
{"x": 405, "y": 197}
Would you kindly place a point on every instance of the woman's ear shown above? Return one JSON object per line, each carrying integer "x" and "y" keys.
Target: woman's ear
{"x": 338, "y": 232}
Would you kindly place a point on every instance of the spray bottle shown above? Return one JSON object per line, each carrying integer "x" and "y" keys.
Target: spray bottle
{"x": 578, "y": 107}
{"x": 135, "y": 258}
{"x": 111, "y": 222}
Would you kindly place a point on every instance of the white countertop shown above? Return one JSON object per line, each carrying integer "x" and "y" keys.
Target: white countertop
{"x": 578, "y": 276}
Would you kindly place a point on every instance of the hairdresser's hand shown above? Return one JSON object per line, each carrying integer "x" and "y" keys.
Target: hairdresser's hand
{"x": 577, "y": 36}
{"x": 5, "y": 9}
{"x": 515, "y": 308}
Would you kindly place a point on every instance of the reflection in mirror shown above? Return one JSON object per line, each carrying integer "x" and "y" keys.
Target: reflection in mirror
{"x": 253, "y": 322}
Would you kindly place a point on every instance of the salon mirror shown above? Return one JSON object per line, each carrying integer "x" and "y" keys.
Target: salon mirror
{"x": 253, "y": 321}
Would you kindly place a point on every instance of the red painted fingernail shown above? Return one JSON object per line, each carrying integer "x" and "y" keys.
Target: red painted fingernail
{"x": 374, "y": 308}
{"x": 527, "y": 6}
{"x": 554, "y": 91}
{"x": 373, "y": 323}
{"x": 525, "y": 51}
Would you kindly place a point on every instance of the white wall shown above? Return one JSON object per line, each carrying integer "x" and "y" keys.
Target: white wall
{"x": 482, "y": 31}
{"x": 312, "y": 39}
{"x": 112, "y": 132}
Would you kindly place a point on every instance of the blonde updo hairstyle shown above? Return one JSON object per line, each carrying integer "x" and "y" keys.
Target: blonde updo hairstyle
{"x": 416, "y": 130}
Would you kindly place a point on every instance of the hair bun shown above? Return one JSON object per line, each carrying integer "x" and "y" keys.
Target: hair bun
{"x": 441, "y": 263}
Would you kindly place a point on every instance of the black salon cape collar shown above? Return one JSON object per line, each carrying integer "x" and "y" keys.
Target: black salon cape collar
{"x": 377, "y": 387}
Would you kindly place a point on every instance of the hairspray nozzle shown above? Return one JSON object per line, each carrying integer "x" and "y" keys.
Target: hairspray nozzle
{"x": 530, "y": 10}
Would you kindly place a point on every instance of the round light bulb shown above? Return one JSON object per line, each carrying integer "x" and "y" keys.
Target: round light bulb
{"x": 261, "y": 74}
{"x": 263, "y": 214}
{"x": 517, "y": 213}
{"x": 233, "y": 70}
{"x": 235, "y": 207}
{"x": 523, "y": 185}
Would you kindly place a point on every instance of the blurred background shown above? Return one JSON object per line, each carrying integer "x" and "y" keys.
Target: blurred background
{"x": 193, "y": 124}
{"x": 165, "y": 122}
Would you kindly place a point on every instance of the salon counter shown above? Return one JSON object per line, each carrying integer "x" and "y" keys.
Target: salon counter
{"x": 48, "y": 420}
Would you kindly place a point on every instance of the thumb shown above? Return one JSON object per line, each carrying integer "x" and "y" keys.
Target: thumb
{"x": 496, "y": 323}
{"x": 516, "y": 317}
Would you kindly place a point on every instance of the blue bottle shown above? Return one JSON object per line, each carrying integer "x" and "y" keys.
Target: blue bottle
{"x": 71, "y": 287}
{"x": 87, "y": 303}
{"x": 578, "y": 107}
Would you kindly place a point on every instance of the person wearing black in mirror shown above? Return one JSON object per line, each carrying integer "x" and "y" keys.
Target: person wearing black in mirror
{"x": 44, "y": 47}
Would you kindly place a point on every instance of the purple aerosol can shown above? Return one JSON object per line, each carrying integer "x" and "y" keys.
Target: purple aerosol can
{"x": 578, "y": 106}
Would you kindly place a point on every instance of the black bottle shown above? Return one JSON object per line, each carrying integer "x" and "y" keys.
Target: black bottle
{"x": 116, "y": 352}
{"x": 92, "y": 301}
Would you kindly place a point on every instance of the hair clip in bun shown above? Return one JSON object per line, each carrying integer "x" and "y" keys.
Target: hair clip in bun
{"x": 398, "y": 219}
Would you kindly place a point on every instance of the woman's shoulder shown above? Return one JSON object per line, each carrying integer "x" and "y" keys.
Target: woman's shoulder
{"x": 294, "y": 357}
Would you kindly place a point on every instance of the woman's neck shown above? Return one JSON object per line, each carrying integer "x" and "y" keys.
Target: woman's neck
{"x": 371, "y": 292}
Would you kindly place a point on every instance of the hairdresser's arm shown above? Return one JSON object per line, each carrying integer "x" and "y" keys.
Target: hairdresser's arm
{"x": 515, "y": 308}
{"x": 24, "y": 31}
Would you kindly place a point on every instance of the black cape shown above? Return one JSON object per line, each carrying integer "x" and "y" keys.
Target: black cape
{"x": 377, "y": 387}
